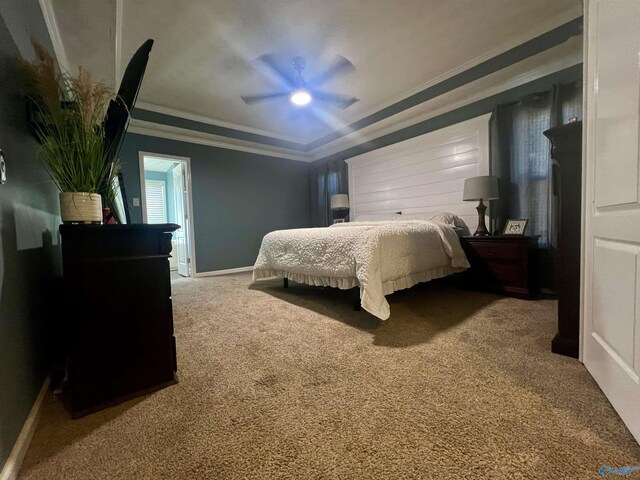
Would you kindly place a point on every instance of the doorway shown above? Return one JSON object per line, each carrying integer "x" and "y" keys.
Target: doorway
{"x": 165, "y": 192}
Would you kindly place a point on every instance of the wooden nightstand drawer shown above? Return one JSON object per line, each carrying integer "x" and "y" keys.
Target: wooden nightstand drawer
{"x": 506, "y": 273}
{"x": 502, "y": 263}
{"x": 495, "y": 250}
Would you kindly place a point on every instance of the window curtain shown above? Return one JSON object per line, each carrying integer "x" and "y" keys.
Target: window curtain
{"x": 326, "y": 180}
{"x": 521, "y": 158}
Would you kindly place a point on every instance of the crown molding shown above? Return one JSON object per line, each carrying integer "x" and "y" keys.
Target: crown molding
{"x": 552, "y": 24}
{"x": 389, "y": 124}
{"x": 117, "y": 68}
{"x": 54, "y": 33}
{"x": 168, "y": 132}
{"x": 520, "y": 74}
{"x": 546, "y": 27}
{"x": 212, "y": 121}
{"x": 457, "y": 98}
{"x": 63, "y": 61}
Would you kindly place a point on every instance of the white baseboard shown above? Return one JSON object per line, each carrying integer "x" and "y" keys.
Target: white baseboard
{"x": 222, "y": 272}
{"x": 13, "y": 463}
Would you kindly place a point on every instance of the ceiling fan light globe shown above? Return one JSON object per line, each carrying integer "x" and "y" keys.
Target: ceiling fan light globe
{"x": 300, "y": 97}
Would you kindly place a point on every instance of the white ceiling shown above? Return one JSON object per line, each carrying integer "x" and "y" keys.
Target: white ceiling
{"x": 205, "y": 51}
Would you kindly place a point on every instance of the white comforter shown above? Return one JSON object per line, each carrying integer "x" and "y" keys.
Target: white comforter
{"x": 379, "y": 257}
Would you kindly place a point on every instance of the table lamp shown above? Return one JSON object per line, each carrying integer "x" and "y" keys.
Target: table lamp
{"x": 481, "y": 188}
{"x": 340, "y": 202}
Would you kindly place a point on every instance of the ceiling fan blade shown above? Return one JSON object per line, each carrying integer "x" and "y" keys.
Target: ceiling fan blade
{"x": 342, "y": 101}
{"x": 284, "y": 75}
{"x": 249, "y": 99}
{"x": 339, "y": 67}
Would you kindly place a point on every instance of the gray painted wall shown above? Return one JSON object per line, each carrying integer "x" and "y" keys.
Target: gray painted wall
{"x": 238, "y": 197}
{"x": 29, "y": 263}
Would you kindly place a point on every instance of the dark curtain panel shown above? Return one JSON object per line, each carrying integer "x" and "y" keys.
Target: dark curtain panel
{"x": 568, "y": 102}
{"x": 521, "y": 158}
{"x": 326, "y": 180}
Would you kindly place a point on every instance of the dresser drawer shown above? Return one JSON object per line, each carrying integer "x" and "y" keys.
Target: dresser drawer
{"x": 495, "y": 251}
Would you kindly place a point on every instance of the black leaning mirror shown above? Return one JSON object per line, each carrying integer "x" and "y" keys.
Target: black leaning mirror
{"x": 121, "y": 205}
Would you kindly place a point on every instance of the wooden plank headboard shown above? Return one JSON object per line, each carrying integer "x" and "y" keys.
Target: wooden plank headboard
{"x": 422, "y": 174}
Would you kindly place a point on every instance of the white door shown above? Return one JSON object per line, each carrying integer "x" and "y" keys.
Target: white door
{"x": 182, "y": 216}
{"x": 611, "y": 294}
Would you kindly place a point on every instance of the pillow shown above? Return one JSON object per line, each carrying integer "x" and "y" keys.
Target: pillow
{"x": 460, "y": 231}
{"x": 447, "y": 218}
{"x": 376, "y": 217}
{"x": 454, "y": 221}
{"x": 415, "y": 216}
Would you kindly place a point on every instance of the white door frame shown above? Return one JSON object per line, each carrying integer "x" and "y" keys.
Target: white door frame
{"x": 584, "y": 208}
{"x": 143, "y": 198}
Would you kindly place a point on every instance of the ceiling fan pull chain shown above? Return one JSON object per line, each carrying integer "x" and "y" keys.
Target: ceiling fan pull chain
{"x": 298, "y": 64}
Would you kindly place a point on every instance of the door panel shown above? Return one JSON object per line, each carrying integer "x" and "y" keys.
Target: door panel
{"x": 616, "y": 103}
{"x": 615, "y": 300}
{"x": 187, "y": 215}
{"x": 611, "y": 241}
{"x": 180, "y": 234}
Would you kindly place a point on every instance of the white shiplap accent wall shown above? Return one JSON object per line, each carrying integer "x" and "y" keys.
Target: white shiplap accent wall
{"x": 422, "y": 174}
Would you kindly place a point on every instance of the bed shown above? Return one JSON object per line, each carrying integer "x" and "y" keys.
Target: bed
{"x": 381, "y": 252}
{"x": 377, "y": 256}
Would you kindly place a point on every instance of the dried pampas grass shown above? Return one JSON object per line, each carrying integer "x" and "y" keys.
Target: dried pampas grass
{"x": 70, "y": 112}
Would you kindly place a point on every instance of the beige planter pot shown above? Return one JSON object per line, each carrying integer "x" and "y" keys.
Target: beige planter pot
{"x": 81, "y": 207}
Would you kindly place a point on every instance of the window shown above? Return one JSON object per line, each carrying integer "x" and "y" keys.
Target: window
{"x": 531, "y": 159}
{"x": 156, "y": 201}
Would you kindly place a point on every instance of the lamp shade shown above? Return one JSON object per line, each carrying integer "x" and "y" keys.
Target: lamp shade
{"x": 339, "y": 201}
{"x": 481, "y": 188}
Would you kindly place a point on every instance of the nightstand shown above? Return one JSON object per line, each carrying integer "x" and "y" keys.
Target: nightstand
{"x": 502, "y": 263}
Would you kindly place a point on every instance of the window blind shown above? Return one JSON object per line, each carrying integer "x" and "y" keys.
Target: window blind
{"x": 156, "y": 201}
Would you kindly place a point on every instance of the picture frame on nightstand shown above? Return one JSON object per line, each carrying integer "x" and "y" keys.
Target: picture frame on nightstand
{"x": 515, "y": 227}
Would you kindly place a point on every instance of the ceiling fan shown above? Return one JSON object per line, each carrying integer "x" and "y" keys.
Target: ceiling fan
{"x": 302, "y": 92}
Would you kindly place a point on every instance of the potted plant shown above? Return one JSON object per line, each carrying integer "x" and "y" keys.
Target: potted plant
{"x": 67, "y": 116}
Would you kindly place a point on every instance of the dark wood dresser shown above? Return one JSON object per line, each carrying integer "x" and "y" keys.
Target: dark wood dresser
{"x": 502, "y": 263}
{"x": 566, "y": 153}
{"x": 119, "y": 319}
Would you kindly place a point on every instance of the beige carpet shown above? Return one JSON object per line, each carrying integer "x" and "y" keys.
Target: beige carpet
{"x": 294, "y": 384}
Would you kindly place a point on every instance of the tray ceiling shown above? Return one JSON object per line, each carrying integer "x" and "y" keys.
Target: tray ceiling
{"x": 205, "y": 51}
